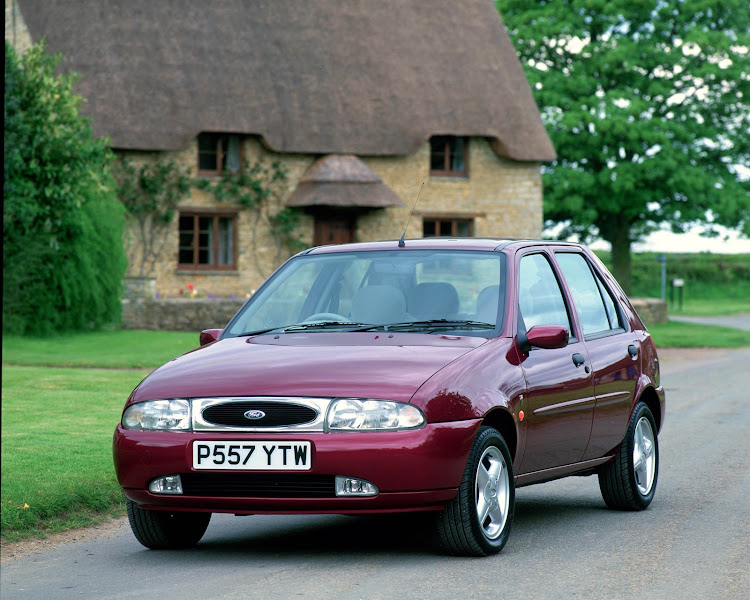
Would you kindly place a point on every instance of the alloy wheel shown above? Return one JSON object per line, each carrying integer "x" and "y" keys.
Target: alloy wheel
{"x": 644, "y": 457}
{"x": 492, "y": 492}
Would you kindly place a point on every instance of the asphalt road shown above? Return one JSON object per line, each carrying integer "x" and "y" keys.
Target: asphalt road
{"x": 740, "y": 321}
{"x": 693, "y": 542}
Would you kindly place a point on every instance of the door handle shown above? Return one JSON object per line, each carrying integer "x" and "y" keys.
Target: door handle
{"x": 633, "y": 350}
{"x": 578, "y": 360}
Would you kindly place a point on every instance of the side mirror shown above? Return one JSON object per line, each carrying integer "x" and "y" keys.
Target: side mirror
{"x": 209, "y": 335}
{"x": 548, "y": 336}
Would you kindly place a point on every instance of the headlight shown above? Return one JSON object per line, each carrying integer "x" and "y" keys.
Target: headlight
{"x": 349, "y": 414}
{"x": 158, "y": 414}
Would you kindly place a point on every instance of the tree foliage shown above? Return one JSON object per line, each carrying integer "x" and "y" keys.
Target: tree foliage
{"x": 648, "y": 105}
{"x": 63, "y": 260}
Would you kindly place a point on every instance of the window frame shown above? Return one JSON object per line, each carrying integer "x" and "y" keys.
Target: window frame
{"x": 317, "y": 290}
{"x": 219, "y": 140}
{"x": 603, "y": 288}
{"x": 448, "y": 153}
{"x": 575, "y": 335}
{"x": 438, "y": 219}
{"x": 197, "y": 214}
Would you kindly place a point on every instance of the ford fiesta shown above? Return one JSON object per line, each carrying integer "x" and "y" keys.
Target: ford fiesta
{"x": 436, "y": 375}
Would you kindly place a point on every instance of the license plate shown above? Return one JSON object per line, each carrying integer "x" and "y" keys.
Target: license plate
{"x": 253, "y": 456}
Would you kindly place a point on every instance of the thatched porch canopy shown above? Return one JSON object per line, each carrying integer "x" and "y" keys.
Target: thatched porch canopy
{"x": 343, "y": 181}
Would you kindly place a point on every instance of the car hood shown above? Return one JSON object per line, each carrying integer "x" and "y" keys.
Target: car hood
{"x": 331, "y": 364}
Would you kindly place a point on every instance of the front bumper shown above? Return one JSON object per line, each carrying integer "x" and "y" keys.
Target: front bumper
{"x": 413, "y": 470}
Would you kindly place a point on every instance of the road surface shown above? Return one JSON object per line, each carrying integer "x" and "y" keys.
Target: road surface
{"x": 692, "y": 542}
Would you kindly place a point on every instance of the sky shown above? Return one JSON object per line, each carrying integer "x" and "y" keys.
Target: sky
{"x": 729, "y": 242}
{"x": 666, "y": 241}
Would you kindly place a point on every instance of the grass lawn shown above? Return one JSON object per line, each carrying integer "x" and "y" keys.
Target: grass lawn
{"x": 109, "y": 349}
{"x": 676, "y": 334}
{"x": 709, "y": 307}
{"x": 707, "y": 299}
{"x": 57, "y": 468}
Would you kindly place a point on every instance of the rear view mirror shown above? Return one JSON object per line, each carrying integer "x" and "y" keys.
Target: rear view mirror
{"x": 209, "y": 335}
{"x": 548, "y": 336}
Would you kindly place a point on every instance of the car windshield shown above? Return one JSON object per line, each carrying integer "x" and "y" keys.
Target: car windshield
{"x": 415, "y": 290}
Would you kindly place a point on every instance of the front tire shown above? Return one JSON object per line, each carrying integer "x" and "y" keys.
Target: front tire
{"x": 477, "y": 521}
{"x": 163, "y": 530}
{"x": 629, "y": 481}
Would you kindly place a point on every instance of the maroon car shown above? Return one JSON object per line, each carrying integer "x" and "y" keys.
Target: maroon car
{"x": 374, "y": 378}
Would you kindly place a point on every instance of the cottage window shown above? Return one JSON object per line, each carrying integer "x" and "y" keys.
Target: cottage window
{"x": 219, "y": 153}
{"x": 207, "y": 241}
{"x": 446, "y": 227}
{"x": 448, "y": 155}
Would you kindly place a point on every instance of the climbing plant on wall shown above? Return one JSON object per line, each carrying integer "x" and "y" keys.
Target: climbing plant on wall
{"x": 150, "y": 193}
{"x": 261, "y": 187}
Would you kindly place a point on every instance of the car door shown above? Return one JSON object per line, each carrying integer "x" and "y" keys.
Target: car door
{"x": 613, "y": 350}
{"x": 559, "y": 400}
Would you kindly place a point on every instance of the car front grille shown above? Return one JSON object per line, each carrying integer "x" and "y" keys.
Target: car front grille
{"x": 267, "y": 414}
{"x": 258, "y": 485}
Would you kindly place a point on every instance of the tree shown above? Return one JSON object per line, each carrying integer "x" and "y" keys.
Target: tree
{"x": 648, "y": 105}
{"x": 63, "y": 260}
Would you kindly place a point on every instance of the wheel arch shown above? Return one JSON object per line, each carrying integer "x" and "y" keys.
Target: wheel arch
{"x": 651, "y": 399}
{"x": 503, "y": 422}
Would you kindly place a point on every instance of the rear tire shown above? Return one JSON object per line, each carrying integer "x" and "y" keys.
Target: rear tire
{"x": 163, "y": 530}
{"x": 629, "y": 481}
{"x": 477, "y": 521}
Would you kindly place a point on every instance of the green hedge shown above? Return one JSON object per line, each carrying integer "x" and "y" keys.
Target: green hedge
{"x": 705, "y": 274}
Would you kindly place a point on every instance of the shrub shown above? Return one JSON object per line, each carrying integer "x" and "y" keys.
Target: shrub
{"x": 63, "y": 259}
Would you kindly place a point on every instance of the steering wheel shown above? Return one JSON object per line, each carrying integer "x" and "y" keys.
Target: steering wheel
{"x": 326, "y": 316}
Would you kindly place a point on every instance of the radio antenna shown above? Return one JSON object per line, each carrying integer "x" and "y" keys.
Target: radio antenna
{"x": 401, "y": 242}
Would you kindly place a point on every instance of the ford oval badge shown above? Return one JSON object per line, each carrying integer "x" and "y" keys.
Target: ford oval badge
{"x": 254, "y": 415}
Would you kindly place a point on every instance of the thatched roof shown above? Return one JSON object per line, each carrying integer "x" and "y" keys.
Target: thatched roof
{"x": 323, "y": 76}
{"x": 342, "y": 181}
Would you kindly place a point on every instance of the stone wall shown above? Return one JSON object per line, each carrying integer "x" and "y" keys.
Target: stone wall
{"x": 178, "y": 314}
{"x": 196, "y": 314}
{"x": 16, "y": 32}
{"x": 652, "y": 311}
{"x": 142, "y": 308}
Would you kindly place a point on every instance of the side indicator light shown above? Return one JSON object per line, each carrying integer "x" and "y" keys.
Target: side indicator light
{"x": 521, "y": 415}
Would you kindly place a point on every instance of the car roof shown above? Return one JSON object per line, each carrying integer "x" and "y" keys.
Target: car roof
{"x": 437, "y": 243}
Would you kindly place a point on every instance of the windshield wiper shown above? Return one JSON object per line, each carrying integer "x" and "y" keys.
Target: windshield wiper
{"x": 320, "y": 325}
{"x": 430, "y": 324}
{"x": 303, "y": 327}
{"x": 259, "y": 332}
{"x": 440, "y": 324}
